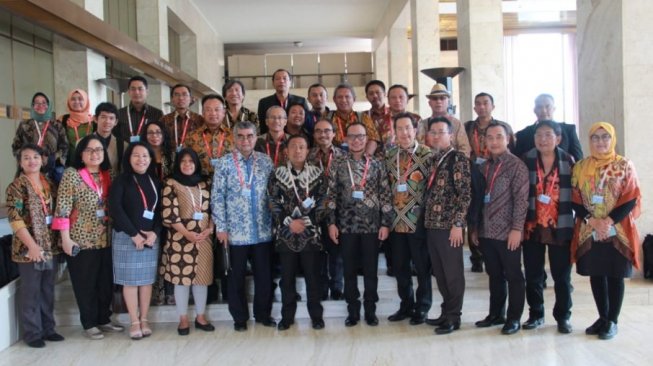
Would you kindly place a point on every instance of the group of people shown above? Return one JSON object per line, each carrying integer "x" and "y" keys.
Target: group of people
{"x": 132, "y": 196}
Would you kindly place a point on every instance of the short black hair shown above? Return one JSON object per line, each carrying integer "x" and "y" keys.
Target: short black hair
{"x": 483, "y": 94}
{"x": 324, "y": 120}
{"x": 293, "y": 137}
{"x": 398, "y": 86}
{"x": 231, "y": 82}
{"x": 281, "y": 70}
{"x": 434, "y": 120}
{"x": 344, "y": 86}
{"x": 551, "y": 124}
{"x": 356, "y": 124}
{"x": 106, "y": 107}
{"x": 78, "y": 163}
{"x": 137, "y": 78}
{"x": 33, "y": 147}
{"x": 317, "y": 85}
{"x": 497, "y": 124}
{"x": 176, "y": 86}
{"x": 403, "y": 115}
{"x": 374, "y": 82}
{"x": 213, "y": 96}
{"x": 126, "y": 165}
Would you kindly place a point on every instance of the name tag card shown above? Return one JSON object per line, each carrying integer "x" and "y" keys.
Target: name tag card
{"x": 359, "y": 195}
{"x": 198, "y": 216}
{"x": 308, "y": 202}
{"x": 134, "y": 138}
{"x": 148, "y": 214}
{"x": 543, "y": 198}
{"x": 402, "y": 187}
{"x": 597, "y": 200}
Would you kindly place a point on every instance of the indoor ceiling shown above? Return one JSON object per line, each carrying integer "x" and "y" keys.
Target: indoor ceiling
{"x": 300, "y": 26}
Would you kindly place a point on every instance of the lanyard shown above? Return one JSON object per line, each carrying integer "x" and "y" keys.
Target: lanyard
{"x": 183, "y": 134}
{"x": 97, "y": 188}
{"x": 240, "y": 173}
{"x": 342, "y": 129}
{"x": 88, "y": 129}
{"x": 437, "y": 166}
{"x": 542, "y": 181}
{"x": 283, "y": 103}
{"x": 364, "y": 178}
{"x": 410, "y": 164}
{"x": 197, "y": 208}
{"x": 477, "y": 143}
{"x": 42, "y": 134}
{"x": 494, "y": 176}
{"x": 156, "y": 195}
{"x": 604, "y": 176}
{"x": 328, "y": 166}
{"x": 276, "y": 150}
{"x": 209, "y": 151}
{"x": 140, "y": 124}
{"x": 46, "y": 208}
{"x": 294, "y": 187}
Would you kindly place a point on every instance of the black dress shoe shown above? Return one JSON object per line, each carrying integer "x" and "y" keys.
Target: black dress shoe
{"x": 240, "y": 327}
{"x": 608, "y": 331}
{"x": 435, "y": 322}
{"x": 477, "y": 267}
{"x": 447, "y": 327}
{"x": 351, "y": 321}
{"x": 564, "y": 326}
{"x": 399, "y": 316}
{"x": 418, "y": 318}
{"x": 371, "y": 320}
{"x": 325, "y": 296}
{"x": 54, "y": 337}
{"x": 318, "y": 324}
{"x": 490, "y": 320}
{"x": 533, "y": 323}
{"x": 268, "y": 322}
{"x": 208, "y": 327}
{"x": 595, "y": 328}
{"x": 283, "y": 325}
{"x": 511, "y": 327}
{"x": 336, "y": 295}
{"x": 183, "y": 331}
{"x": 37, "y": 343}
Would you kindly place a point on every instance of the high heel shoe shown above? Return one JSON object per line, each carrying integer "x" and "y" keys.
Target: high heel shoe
{"x": 136, "y": 334}
{"x": 145, "y": 328}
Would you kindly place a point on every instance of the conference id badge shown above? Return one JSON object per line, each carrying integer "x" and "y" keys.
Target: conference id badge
{"x": 308, "y": 202}
{"x": 179, "y": 147}
{"x": 134, "y": 138}
{"x": 148, "y": 214}
{"x": 359, "y": 195}
{"x": 543, "y": 198}
{"x": 100, "y": 213}
{"x": 48, "y": 220}
{"x": 344, "y": 146}
{"x": 480, "y": 160}
{"x": 402, "y": 187}
{"x": 486, "y": 199}
{"x": 198, "y": 216}
{"x": 246, "y": 192}
{"x": 597, "y": 200}
{"x": 214, "y": 162}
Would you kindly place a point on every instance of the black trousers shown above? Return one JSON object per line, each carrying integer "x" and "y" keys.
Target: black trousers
{"x": 559, "y": 261}
{"x": 309, "y": 261}
{"x": 331, "y": 269}
{"x": 91, "y": 274}
{"x": 36, "y": 296}
{"x": 448, "y": 269}
{"x": 407, "y": 247}
{"x": 476, "y": 255}
{"x": 360, "y": 250}
{"x": 504, "y": 266}
{"x": 259, "y": 256}
{"x": 608, "y": 295}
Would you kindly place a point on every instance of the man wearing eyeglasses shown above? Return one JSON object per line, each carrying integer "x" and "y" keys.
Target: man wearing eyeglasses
{"x": 133, "y": 118}
{"x": 323, "y": 155}
{"x": 241, "y": 214}
{"x": 273, "y": 142}
{"x": 360, "y": 215}
{"x": 439, "y": 103}
{"x": 213, "y": 139}
{"x": 182, "y": 121}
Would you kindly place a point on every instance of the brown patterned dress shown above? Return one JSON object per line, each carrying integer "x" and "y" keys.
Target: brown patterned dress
{"x": 185, "y": 263}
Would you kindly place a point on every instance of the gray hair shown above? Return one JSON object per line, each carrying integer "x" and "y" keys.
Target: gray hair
{"x": 267, "y": 113}
{"x": 244, "y": 125}
{"x": 344, "y": 86}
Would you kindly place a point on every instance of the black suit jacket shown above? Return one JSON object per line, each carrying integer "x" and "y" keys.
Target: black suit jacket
{"x": 269, "y": 101}
{"x": 568, "y": 143}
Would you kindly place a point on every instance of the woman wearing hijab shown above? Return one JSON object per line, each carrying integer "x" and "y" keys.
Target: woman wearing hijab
{"x": 605, "y": 246}
{"x": 188, "y": 254}
{"x": 78, "y": 122}
{"x": 42, "y": 130}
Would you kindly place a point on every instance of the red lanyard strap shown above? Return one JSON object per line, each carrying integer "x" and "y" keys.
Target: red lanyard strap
{"x": 241, "y": 178}
{"x": 156, "y": 195}
{"x": 43, "y": 133}
{"x": 437, "y": 166}
{"x": 209, "y": 151}
{"x": 494, "y": 176}
{"x": 276, "y": 149}
{"x": 140, "y": 124}
{"x": 542, "y": 181}
{"x": 328, "y": 166}
{"x": 364, "y": 178}
{"x": 46, "y": 187}
{"x": 183, "y": 133}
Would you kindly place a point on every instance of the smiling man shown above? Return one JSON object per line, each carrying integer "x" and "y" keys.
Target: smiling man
{"x": 134, "y": 118}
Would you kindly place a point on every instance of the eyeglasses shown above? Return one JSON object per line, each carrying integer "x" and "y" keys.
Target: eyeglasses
{"x": 359, "y": 137}
{"x": 276, "y": 118}
{"x": 245, "y": 137}
{"x": 437, "y": 133}
{"x": 319, "y": 131}
{"x": 154, "y": 133}
{"x": 39, "y": 104}
{"x": 605, "y": 138}
{"x": 545, "y": 136}
{"x": 97, "y": 150}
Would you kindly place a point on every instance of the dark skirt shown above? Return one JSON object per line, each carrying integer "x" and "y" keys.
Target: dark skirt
{"x": 604, "y": 260}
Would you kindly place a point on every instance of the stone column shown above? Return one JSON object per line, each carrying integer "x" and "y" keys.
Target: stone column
{"x": 152, "y": 32}
{"x": 399, "y": 56}
{"x": 425, "y": 22}
{"x": 381, "y": 56}
{"x": 615, "y": 72}
{"x": 78, "y": 67}
{"x": 480, "y": 52}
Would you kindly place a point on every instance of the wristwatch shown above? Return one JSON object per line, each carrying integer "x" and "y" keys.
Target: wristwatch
{"x": 458, "y": 223}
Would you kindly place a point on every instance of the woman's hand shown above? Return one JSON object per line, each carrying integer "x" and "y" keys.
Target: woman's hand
{"x": 139, "y": 241}
{"x": 191, "y": 236}
{"x": 67, "y": 246}
{"x": 150, "y": 238}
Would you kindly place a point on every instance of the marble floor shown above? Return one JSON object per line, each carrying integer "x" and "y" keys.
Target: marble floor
{"x": 386, "y": 344}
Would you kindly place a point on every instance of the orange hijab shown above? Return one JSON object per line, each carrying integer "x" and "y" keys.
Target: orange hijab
{"x": 79, "y": 117}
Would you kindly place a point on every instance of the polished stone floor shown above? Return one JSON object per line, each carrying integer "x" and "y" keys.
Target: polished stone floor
{"x": 386, "y": 344}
